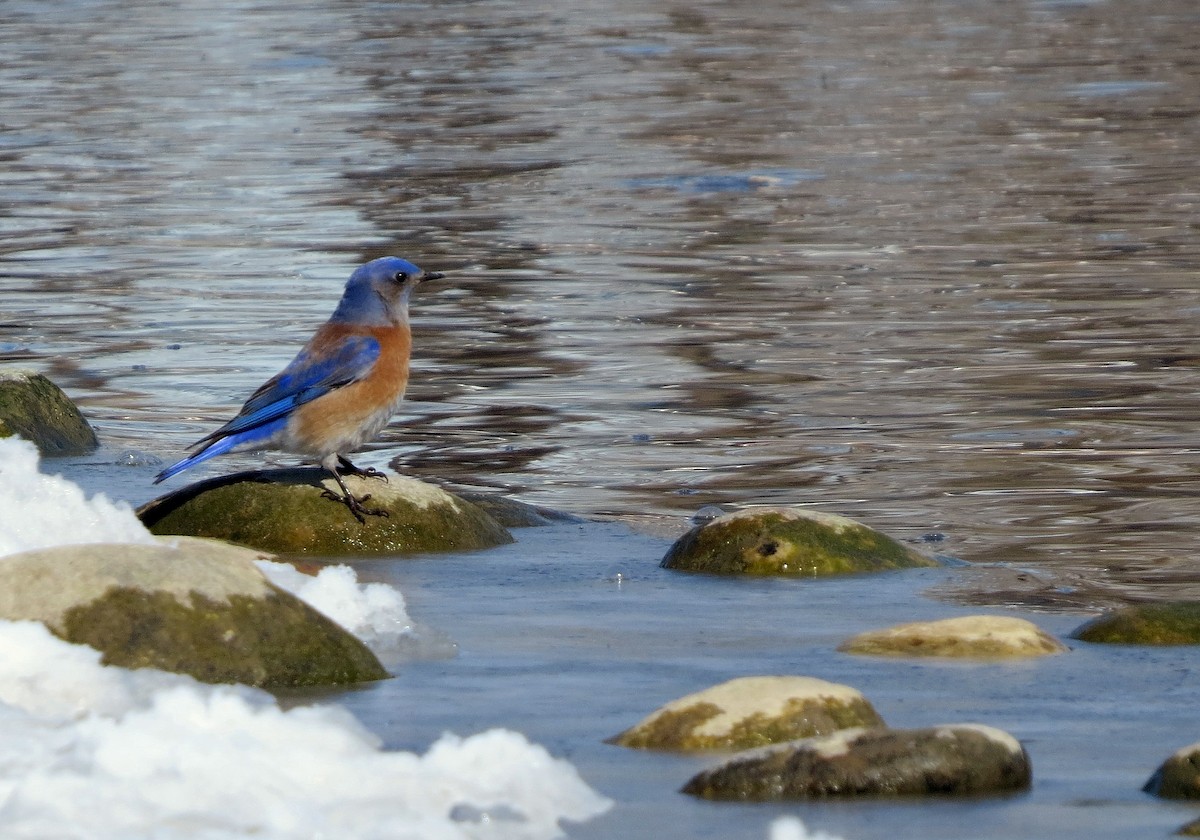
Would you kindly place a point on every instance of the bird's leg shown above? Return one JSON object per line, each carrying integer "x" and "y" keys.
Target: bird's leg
{"x": 346, "y": 468}
{"x": 348, "y": 499}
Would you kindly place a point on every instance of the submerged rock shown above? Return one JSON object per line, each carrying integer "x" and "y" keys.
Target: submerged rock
{"x": 1170, "y": 623}
{"x": 750, "y": 712}
{"x": 788, "y": 541}
{"x": 190, "y": 606}
{"x": 1178, "y": 777}
{"x": 36, "y": 409}
{"x": 285, "y": 512}
{"x": 514, "y": 514}
{"x": 968, "y": 636}
{"x": 960, "y": 760}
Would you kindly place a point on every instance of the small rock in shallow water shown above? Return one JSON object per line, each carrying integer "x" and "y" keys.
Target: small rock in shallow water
{"x": 959, "y": 760}
{"x": 750, "y": 712}
{"x": 1178, "y": 777}
{"x": 796, "y": 542}
{"x": 1170, "y": 623}
{"x": 968, "y": 636}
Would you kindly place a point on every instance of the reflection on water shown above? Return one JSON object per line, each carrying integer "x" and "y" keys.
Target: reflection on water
{"x": 933, "y": 265}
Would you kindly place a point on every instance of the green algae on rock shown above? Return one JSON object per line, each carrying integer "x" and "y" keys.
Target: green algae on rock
{"x": 1178, "y": 777}
{"x": 1164, "y": 623}
{"x": 284, "y": 511}
{"x": 967, "y": 637}
{"x": 788, "y": 541}
{"x": 191, "y": 606}
{"x": 36, "y": 409}
{"x": 751, "y": 712}
{"x": 958, "y": 760}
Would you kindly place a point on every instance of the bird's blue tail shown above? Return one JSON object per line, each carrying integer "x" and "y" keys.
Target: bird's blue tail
{"x": 248, "y": 439}
{"x": 214, "y": 449}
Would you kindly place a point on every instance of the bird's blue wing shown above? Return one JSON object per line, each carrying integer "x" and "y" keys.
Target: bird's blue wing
{"x": 310, "y": 375}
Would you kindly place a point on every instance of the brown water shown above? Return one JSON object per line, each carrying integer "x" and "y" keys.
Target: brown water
{"x": 930, "y": 264}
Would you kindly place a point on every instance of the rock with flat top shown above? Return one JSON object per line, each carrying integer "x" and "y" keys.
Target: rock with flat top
{"x": 287, "y": 511}
{"x": 749, "y": 712}
{"x": 965, "y": 637}
{"x": 791, "y": 541}
{"x": 958, "y": 760}
{"x": 191, "y": 606}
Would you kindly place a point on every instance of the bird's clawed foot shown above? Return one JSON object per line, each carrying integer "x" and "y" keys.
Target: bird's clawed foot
{"x": 355, "y": 504}
{"x": 347, "y": 468}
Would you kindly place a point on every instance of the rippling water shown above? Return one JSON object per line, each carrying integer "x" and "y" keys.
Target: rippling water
{"x": 933, "y": 265}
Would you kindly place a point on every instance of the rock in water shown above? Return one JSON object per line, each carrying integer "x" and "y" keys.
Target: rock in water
{"x": 960, "y": 760}
{"x": 1178, "y": 777}
{"x": 191, "y": 606}
{"x": 966, "y": 637}
{"x": 750, "y": 712}
{"x": 1167, "y": 623}
{"x": 285, "y": 511}
{"x": 36, "y": 409}
{"x": 788, "y": 541}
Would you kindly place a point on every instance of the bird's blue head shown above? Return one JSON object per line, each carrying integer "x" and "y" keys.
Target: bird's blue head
{"x": 377, "y": 292}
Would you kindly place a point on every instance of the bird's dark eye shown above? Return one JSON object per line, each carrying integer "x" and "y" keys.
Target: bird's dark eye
{"x": 401, "y": 277}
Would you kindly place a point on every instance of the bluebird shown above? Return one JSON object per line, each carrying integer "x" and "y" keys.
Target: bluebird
{"x": 340, "y": 390}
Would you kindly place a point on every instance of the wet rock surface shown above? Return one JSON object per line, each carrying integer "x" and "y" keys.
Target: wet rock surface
{"x": 288, "y": 511}
{"x": 959, "y": 760}
{"x": 36, "y": 409}
{"x": 1178, "y": 777}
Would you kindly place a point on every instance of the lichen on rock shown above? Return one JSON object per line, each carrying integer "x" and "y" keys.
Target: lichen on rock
{"x": 190, "y": 606}
{"x": 1164, "y": 623}
{"x": 790, "y": 541}
{"x": 750, "y": 712}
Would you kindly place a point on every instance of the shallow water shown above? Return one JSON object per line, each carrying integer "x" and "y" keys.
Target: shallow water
{"x": 930, "y": 265}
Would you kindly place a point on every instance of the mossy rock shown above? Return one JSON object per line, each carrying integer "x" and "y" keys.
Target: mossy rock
{"x": 750, "y": 712}
{"x": 1169, "y": 623}
{"x": 1191, "y": 829}
{"x": 189, "y": 606}
{"x": 36, "y": 409}
{"x": 1178, "y": 777}
{"x": 965, "y": 637}
{"x": 959, "y": 760}
{"x": 791, "y": 541}
{"x": 285, "y": 512}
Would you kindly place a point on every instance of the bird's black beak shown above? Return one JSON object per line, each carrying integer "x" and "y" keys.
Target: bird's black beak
{"x": 426, "y": 276}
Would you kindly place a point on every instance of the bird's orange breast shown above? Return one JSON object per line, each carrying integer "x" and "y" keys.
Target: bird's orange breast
{"x": 342, "y": 419}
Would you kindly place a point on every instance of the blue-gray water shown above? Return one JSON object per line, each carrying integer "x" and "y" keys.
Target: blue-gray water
{"x": 930, "y": 265}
